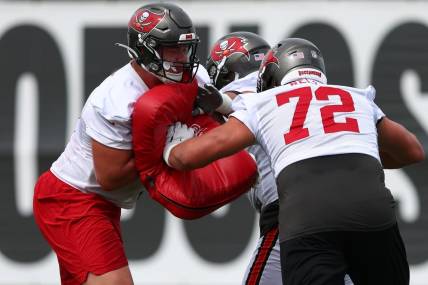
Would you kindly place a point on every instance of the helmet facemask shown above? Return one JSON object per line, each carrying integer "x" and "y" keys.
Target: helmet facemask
{"x": 264, "y": 81}
{"x": 220, "y": 74}
{"x": 173, "y": 61}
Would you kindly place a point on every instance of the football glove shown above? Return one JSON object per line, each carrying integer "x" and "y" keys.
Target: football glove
{"x": 176, "y": 134}
{"x": 210, "y": 99}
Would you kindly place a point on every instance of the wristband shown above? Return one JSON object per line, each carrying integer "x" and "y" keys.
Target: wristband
{"x": 226, "y": 106}
{"x": 167, "y": 151}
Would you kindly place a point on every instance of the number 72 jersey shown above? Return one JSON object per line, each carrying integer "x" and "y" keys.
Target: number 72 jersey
{"x": 305, "y": 119}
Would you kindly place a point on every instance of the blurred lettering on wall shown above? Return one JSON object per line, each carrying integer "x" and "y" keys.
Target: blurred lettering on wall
{"x": 52, "y": 55}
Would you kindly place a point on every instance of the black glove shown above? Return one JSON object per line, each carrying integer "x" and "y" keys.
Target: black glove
{"x": 207, "y": 100}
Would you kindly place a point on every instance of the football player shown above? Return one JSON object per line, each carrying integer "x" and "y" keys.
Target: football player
{"x": 327, "y": 145}
{"x": 77, "y": 203}
{"x": 234, "y": 71}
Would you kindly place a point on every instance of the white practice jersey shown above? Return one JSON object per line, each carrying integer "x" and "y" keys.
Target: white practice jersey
{"x": 247, "y": 83}
{"x": 264, "y": 192}
{"x": 306, "y": 118}
{"x": 106, "y": 118}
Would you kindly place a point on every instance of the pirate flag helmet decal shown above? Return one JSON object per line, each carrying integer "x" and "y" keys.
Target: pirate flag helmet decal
{"x": 229, "y": 46}
{"x": 234, "y": 56}
{"x": 144, "y": 20}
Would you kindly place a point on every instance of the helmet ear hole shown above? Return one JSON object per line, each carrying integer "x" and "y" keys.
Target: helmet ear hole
{"x": 153, "y": 67}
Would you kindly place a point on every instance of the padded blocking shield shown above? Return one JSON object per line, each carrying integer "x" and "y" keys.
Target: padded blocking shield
{"x": 186, "y": 194}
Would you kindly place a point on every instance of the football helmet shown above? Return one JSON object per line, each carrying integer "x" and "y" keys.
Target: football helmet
{"x": 162, "y": 39}
{"x": 287, "y": 56}
{"x": 234, "y": 56}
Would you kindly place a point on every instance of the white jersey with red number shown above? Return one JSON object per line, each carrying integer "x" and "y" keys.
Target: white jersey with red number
{"x": 264, "y": 192}
{"x": 106, "y": 118}
{"x": 306, "y": 118}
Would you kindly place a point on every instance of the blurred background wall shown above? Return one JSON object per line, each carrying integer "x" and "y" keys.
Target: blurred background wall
{"x": 53, "y": 53}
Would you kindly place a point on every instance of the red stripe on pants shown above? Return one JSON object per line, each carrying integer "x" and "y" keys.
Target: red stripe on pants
{"x": 256, "y": 271}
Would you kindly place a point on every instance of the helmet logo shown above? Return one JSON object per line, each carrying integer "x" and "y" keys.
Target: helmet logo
{"x": 270, "y": 57}
{"x": 144, "y": 21}
{"x": 228, "y": 47}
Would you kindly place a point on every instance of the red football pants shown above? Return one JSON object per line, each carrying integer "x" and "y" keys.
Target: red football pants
{"x": 83, "y": 229}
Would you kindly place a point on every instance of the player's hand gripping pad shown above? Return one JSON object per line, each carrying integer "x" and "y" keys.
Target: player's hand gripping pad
{"x": 186, "y": 194}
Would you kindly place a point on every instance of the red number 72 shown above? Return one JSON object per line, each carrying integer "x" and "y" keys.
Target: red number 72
{"x": 297, "y": 131}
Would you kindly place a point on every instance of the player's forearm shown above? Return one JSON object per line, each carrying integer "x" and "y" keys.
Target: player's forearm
{"x": 407, "y": 150}
{"x": 219, "y": 142}
{"x": 398, "y": 146}
{"x": 388, "y": 162}
{"x": 191, "y": 154}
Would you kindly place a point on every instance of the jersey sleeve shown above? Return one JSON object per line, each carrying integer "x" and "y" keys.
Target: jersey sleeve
{"x": 107, "y": 131}
{"x": 243, "y": 113}
{"x": 378, "y": 113}
{"x": 371, "y": 94}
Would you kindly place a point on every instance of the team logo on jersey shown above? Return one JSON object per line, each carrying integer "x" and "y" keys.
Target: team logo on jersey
{"x": 144, "y": 20}
{"x": 228, "y": 47}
